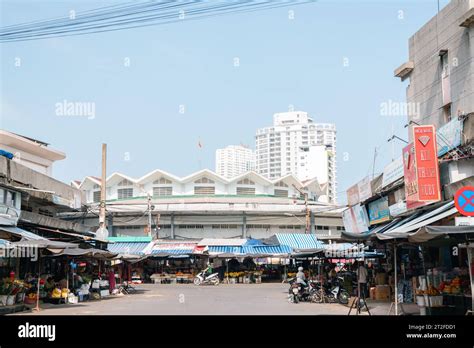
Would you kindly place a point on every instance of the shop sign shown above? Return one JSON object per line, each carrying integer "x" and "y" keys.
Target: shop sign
{"x": 355, "y": 219}
{"x": 378, "y": 211}
{"x": 353, "y": 195}
{"x": 426, "y": 161}
{"x": 392, "y": 172}
{"x": 411, "y": 181}
{"x": 420, "y": 167}
{"x": 464, "y": 221}
{"x": 365, "y": 190}
{"x": 397, "y": 208}
{"x": 449, "y": 136}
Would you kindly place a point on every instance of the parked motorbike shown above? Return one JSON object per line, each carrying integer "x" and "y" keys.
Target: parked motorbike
{"x": 299, "y": 293}
{"x": 201, "y": 278}
{"x": 335, "y": 292}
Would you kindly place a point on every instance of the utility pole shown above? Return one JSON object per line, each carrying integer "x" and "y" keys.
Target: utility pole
{"x": 306, "y": 207}
{"x": 102, "y": 225}
{"x": 150, "y": 208}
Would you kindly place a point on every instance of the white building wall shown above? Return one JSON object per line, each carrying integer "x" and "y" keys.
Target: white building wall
{"x": 234, "y": 160}
{"x": 279, "y": 149}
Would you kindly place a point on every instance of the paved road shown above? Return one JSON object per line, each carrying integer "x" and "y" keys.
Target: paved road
{"x": 225, "y": 299}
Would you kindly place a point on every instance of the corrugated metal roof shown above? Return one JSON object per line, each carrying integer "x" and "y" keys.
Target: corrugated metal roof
{"x": 223, "y": 241}
{"x": 249, "y": 250}
{"x": 134, "y": 239}
{"x": 134, "y": 248}
{"x": 25, "y": 235}
{"x": 299, "y": 240}
{"x": 172, "y": 251}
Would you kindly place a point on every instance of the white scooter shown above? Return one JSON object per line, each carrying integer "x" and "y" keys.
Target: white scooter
{"x": 212, "y": 279}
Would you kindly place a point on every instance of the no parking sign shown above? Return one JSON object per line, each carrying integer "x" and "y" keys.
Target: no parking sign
{"x": 464, "y": 200}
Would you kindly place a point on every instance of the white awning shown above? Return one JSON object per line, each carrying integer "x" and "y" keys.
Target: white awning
{"x": 411, "y": 224}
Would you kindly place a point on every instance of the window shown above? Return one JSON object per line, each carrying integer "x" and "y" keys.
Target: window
{"x": 204, "y": 180}
{"x": 162, "y": 181}
{"x": 281, "y": 184}
{"x": 246, "y": 191}
{"x": 163, "y": 191}
{"x": 125, "y": 182}
{"x": 245, "y": 181}
{"x": 96, "y": 196}
{"x": 204, "y": 190}
{"x": 125, "y": 193}
{"x": 281, "y": 193}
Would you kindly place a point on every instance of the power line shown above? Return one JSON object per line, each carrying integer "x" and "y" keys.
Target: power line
{"x": 149, "y": 13}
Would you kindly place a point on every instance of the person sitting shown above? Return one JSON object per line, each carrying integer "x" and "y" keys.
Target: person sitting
{"x": 49, "y": 285}
{"x": 301, "y": 277}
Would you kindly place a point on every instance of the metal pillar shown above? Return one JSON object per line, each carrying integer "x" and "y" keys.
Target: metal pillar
{"x": 172, "y": 226}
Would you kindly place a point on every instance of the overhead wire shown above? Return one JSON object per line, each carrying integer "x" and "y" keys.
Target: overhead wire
{"x": 102, "y": 21}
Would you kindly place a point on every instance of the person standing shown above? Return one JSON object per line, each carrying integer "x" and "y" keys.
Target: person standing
{"x": 362, "y": 279}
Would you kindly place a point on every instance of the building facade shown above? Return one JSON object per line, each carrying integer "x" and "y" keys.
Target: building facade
{"x": 207, "y": 205}
{"x": 440, "y": 70}
{"x": 296, "y": 145}
{"x": 234, "y": 160}
{"x": 31, "y": 153}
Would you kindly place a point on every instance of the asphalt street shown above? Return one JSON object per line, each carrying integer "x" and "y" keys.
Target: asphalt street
{"x": 225, "y": 299}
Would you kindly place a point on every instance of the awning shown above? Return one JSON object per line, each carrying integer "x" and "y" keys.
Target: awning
{"x": 295, "y": 240}
{"x": 92, "y": 252}
{"x": 257, "y": 251}
{"x": 23, "y": 234}
{"x": 430, "y": 232}
{"x": 45, "y": 244}
{"x": 402, "y": 229}
{"x": 222, "y": 242}
{"x": 133, "y": 248}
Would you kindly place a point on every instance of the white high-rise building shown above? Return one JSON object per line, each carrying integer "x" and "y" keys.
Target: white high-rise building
{"x": 296, "y": 145}
{"x": 234, "y": 160}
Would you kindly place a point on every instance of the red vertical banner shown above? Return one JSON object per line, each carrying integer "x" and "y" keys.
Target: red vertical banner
{"x": 426, "y": 153}
{"x": 410, "y": 177}
{"x": 420, "y": 168}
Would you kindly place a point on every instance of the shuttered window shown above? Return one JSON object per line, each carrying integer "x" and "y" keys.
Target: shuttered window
{"x": 163, "y": 191}
{"x": 281, "y": 193}
{"x": 125, "y": 193}
{"x": 246, "y": 190}
{"x": 204, "y": 190}
{"x": 96, "y": 196}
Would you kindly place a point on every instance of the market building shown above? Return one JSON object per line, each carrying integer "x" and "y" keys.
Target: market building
{"x": 207, "y": 205}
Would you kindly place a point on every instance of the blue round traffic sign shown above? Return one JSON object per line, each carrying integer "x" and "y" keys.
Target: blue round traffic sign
{"x": 464, "y": 200}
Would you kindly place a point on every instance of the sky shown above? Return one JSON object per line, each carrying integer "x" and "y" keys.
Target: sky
{"x": 160, "y": 91}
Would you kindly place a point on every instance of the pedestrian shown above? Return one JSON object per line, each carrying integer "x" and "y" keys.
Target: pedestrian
{"x": 111, "y": 276}
{"x": 362, "y": 279}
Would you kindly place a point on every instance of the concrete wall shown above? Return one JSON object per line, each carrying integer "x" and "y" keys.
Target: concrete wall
{"x": 13, "y": 171}
{"x": 442, "y": 32}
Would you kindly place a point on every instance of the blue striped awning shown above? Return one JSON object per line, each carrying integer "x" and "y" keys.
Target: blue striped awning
{"x": 251, "y": 250}
{"x": 219, "y": 249}
{"x": 299, "y": 240}
{"x": 134, "y": 248}
{"x": 172, "y": 251}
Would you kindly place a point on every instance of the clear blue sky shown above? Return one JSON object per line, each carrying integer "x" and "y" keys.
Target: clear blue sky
{"x": 282, "y": 62}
